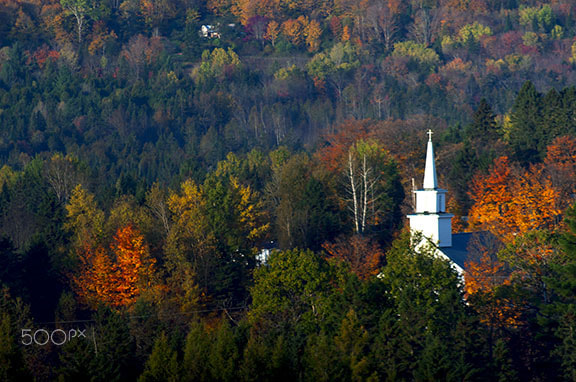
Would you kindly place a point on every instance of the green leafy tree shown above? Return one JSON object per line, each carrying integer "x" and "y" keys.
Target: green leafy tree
{"x": 291, "y": 290}
{"x": 471, "y": 33}
{"x": 217, "y": 65}
{"x": 374, "y": 191}
{"x": 424, "y": 56}
{"x": 336, "y": 66}
{"x": 80, "y": 9}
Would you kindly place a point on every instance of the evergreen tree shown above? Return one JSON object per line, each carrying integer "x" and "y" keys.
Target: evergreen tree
{"x": 568, "y": 114}
{"x": 256, "y": 361}
{"x": 352, "y": 346}
{"x": 320, "y": 359}
{"x": 11, "y": 361}
{"x": 196, "y": 354}
{"x": 562, "y": 313}
{"x": 434, "y": 363}
{"x": 552, "y": 119}
{"x": 464, "y": 166}
{"x": 483, "y": 126}
{"x": 428, "y": 307}
{"x": 105, "y": 354}
{"x": 502, "y": 367}
{"x": 224, "y": 354}
{"x": 162, "y": 366}
{"x": 525, "y": 133}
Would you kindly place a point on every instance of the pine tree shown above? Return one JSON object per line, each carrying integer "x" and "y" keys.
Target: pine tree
{"x": 526, "y": 131}
{"x": 224, "y": 355}
{"x": 502, "y": 366}
{"x": 483, "y": 126}
{"x": 162, "y": 366}
{"x": 256, "y": 361}
{"x": 11, "y": 362}
{"x": 320, "y": 359}
{"x": 553, "y": 119}
{"x": 562, "y": 312}
{"x": 196, "y": 354}
{"x": 352, "y": 346}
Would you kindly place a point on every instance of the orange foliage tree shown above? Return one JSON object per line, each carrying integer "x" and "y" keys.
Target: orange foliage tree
{"x": 118, "y": 277}
{"x": 483, "y": 276}
{"x": 362, "y": 254}
{"x": 334, "y": 154}
{"x": 313, "y": 32}
{"x": 560, "y": 166}
{"x": 293, "y": 31}
{"x": 510, "y": 201}
{"x": 482, "y": 279}
{"x": 530, "y": 255}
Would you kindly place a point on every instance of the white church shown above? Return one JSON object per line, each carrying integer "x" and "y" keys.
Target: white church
{"x": 431, "y": 219}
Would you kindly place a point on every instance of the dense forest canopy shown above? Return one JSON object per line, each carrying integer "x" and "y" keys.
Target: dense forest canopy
{"x": 150, "y": 150}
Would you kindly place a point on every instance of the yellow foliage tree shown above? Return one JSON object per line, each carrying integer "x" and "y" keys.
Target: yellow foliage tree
{"x": 190, "y": 244}
{"x": 272, "y": 32}
{"x": 85, "y": 219}
{"x": 188, "y": 209}
{"x": 346, "y": 33}
{"x": 250, "y": 211}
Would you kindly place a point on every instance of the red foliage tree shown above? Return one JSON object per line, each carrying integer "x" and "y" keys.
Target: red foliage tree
{"x": 362, "y": 254}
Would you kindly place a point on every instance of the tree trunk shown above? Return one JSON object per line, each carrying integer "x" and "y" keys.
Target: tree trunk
{"x": 353, "y": 191}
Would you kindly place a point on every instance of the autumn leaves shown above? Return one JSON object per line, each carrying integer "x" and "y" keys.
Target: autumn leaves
{"x": 523, "y": 209}
{"x": 191, "y": 230}
{"x": 509, "y": 201}
{"x": 114, "y": 277}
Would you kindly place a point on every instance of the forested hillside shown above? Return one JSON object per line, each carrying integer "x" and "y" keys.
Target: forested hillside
{"x": 150, "y": 150}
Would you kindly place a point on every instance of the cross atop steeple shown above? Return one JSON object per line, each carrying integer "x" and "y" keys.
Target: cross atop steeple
{"x": 430, "y": 170}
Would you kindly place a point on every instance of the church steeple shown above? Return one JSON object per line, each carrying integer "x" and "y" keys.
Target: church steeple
{"x": 430, "y": 181}
{"x": 430, "y": 216}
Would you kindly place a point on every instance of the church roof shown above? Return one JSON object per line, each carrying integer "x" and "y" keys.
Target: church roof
{"x": 459, "y": 253}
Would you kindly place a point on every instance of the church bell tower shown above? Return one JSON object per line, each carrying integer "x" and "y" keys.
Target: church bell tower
{"x": 430, "y": 216}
